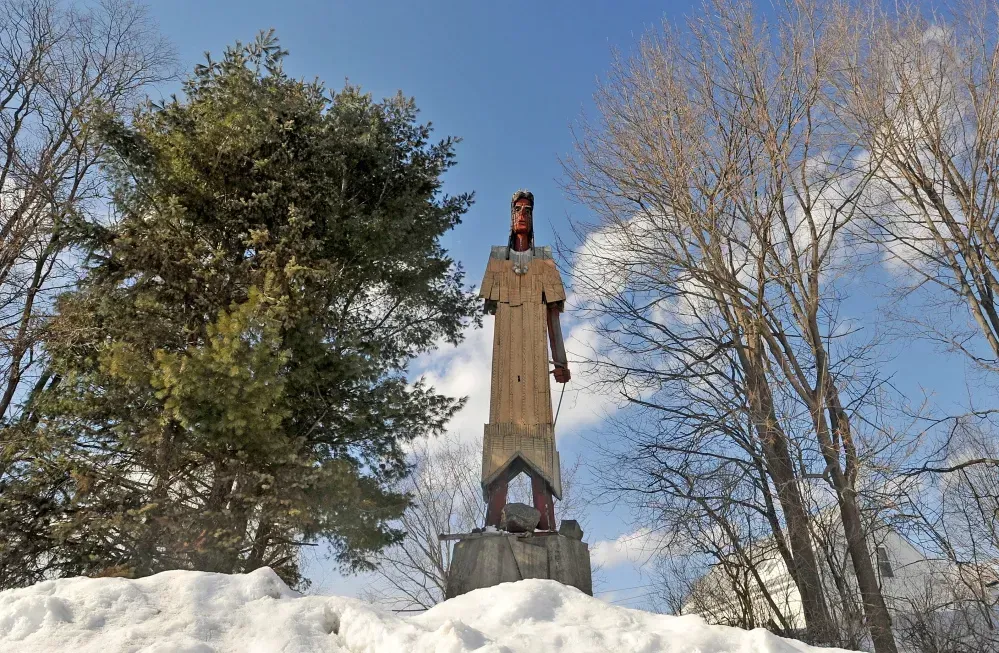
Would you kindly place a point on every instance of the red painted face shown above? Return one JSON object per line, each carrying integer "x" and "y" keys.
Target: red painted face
{"x": 523, "y": 217}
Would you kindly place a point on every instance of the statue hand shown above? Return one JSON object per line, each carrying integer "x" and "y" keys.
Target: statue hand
{"x": 562, "y": 374}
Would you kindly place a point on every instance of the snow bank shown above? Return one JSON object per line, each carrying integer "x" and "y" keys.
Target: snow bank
{"x": 194, "y": 612}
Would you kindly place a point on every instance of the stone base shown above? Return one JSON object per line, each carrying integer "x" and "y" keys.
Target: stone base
{"x": 487, "y": 559}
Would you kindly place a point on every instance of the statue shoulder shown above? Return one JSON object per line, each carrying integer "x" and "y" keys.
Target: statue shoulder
{"x": 544, "y": 252}
{"x": 500, "y": 252}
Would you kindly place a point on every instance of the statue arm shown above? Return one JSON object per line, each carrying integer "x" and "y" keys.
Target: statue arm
{"x": 489, "y": 290}
{"x": 562, "y": 374}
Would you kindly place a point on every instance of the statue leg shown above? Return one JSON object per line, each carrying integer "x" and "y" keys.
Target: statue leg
{"x": 497, "y": 499}
{"x": 544, "y": 503}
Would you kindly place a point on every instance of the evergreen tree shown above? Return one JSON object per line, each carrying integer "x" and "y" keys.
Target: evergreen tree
{"x": 228, "y": 382}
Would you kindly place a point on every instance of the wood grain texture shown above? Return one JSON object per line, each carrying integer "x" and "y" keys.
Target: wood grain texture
{"x": 504, "y": 443}
{"x": 520, "y": 408}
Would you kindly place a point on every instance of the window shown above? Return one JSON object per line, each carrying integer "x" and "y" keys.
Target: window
{"x": 884, "y": 566}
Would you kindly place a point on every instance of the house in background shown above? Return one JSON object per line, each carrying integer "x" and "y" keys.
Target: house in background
{"x": 936, "y": 605}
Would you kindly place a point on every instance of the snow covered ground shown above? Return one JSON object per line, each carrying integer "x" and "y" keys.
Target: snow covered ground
{"x": 194, "y": 612}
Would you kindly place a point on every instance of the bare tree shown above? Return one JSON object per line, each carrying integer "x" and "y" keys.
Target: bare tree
{"x": 697, "y": 476}
{"x": 446, "y": 498}
{"x": 949, "y": 506}
{"x": 923, "y": 96}
{"x": 717, "y": 546}
{"x": 62, "y": 68}
{"x": 726, "y": 184}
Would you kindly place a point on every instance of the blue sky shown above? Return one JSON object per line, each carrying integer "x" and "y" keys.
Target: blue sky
{"x": 509, "y": 79}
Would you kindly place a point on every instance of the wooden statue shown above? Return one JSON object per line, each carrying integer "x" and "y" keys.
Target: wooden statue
{"x": 523, "y": 289}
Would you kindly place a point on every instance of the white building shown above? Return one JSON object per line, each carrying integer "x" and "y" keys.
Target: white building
{"x": 932, "y": 601}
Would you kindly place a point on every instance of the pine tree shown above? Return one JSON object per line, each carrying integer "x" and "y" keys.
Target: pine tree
{"x": 229, "y": 380}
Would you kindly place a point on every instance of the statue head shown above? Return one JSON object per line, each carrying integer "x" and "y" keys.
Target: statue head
{"x": 522, "y": 216}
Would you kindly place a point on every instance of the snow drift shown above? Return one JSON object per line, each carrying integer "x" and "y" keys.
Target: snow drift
{"x": 195, "y": 612}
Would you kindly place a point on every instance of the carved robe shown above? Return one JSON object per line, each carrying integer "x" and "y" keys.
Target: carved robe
{"x": 520, "y": 435}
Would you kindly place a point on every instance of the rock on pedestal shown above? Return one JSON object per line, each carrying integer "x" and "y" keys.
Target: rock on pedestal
{"x": 519, "y": 518}
{"x": 491, "y": 558}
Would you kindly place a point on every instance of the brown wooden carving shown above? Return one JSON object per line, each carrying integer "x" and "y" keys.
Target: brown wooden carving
{"x": 523, "y": 289}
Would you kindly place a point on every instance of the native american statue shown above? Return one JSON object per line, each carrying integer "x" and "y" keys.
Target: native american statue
{"x": 523, "y": 289}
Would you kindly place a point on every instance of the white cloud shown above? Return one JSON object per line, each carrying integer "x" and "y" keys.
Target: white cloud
{"x": 464, "y": 371}
{"x": 585, "y": 402}
{"x": 936, "y": 109}
{"x": 637, "y": 548}
{"x": 598, "y": 268}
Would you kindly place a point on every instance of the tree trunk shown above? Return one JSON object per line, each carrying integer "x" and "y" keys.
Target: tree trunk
{"x": 878, "y": 619}
{"x": 23, "y": 340}
{"x": 261, "y": 540}
{"x": 148, "y": 557}
{"x": 781, "y": 469}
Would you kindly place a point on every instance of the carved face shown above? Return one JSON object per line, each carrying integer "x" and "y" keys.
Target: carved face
{"x": 523, "y": 216}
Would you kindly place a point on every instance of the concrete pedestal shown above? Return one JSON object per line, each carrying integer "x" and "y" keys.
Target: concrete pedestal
{"x": 487, "y": 559}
